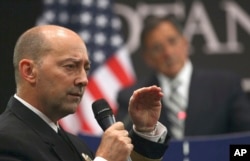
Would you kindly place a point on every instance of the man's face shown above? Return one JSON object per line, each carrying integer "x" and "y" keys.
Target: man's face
{"x": 62, "y": 77}
{"x": 166, "y": 49}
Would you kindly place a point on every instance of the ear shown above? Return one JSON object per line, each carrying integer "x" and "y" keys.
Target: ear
{"x": 27, "y": 70}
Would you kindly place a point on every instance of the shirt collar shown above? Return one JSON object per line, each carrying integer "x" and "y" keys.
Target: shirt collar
{"x": 39, "y": 113}
{"x": 184, "y": 76}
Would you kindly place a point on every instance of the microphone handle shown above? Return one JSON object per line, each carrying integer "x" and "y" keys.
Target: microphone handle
{"x": 105, "y": 123}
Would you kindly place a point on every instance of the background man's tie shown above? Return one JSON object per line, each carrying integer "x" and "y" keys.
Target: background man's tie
{"x": 177, "y": 111}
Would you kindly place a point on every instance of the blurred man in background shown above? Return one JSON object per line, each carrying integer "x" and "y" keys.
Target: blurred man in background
{"x": 196, "y": 102}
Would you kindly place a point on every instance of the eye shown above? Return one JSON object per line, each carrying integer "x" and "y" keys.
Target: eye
{"x": 173, "y": 40}
{"x": 157, "y": 49}
{"x": 69, "y": 66}
{"x": 87, "y": 69}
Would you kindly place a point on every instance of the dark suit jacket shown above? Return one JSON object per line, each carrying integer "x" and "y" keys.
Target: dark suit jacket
{"x": 25, "y": 136}
{"x": 217, "y": 104}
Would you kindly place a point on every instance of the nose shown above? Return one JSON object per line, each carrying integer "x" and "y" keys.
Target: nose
{"x": 82, "y": 78}
{"x": 168, "y": 50}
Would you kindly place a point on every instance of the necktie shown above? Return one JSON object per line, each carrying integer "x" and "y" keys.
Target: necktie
{"x": 66, "y": 139}
{"x": 176, "y": 111}
{"x": 62, "y": 134}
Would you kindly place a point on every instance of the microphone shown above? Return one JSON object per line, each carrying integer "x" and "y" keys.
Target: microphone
{"x": 104, "y": 115}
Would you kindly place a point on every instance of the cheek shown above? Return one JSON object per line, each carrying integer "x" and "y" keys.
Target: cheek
{"x": 49, "y": 81}
{"x": 46, "y": 85}
{"x": 181, "y": 53}
{"x": 157, "y": 62}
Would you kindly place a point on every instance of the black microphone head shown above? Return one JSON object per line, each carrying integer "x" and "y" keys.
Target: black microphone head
{"x": 101, "y": 109}
{"x": 103, "y": 113}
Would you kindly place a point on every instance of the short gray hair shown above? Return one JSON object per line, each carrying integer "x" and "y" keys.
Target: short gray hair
{"x": 30, "y": 45}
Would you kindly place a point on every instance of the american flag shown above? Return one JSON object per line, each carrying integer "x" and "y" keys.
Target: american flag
{"x": 111, "y": 69}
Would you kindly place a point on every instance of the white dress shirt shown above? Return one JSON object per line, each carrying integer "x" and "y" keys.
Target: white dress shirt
{"x": 184, "y": 76}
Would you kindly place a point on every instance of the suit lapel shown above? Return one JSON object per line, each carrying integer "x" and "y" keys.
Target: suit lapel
{"x": 194, "y": 103}
{"x": 41, "y": 128}
{"x": 199, "y": 100}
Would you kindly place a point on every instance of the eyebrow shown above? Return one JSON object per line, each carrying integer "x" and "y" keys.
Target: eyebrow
{"x": 87, "y": 62}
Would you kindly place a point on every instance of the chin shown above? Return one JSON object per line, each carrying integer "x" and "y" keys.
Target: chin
{"x": 173, "y": 72}
{"x": 71, "y": 109}
{"x": 170, "y": 74}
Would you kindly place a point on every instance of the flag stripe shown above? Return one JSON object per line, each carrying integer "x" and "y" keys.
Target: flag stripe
{"x": 111, "y": 83}
{"x": 115, "y": 66}
{"x": 87, "y": 113}
{"x": 84, "y": 125}
{"x": 94, "y": 89}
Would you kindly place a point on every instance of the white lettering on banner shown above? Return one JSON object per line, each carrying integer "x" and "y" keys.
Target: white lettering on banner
{"x": 198, "y": 23}
{"x": 134, "y": 25}
{"x": 177, "y": 9}
{"x": 135, "y": 18}
{"x": 235, "y": 14}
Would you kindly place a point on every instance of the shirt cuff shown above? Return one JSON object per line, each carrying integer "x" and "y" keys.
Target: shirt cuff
{"x": 158, "y": 135}
{"x": 99, "y": 159}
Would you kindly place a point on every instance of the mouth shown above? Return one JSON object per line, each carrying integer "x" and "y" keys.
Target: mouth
{"x": 170, "y": 62}
{"x": 79, "y": 95}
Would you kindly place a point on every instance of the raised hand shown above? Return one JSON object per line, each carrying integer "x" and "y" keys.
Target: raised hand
{"x": 145, "y": 107}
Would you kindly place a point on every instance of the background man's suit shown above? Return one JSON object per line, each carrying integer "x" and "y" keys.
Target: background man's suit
{"x": 216, "y": 104}
{"x": 25, "y": 136}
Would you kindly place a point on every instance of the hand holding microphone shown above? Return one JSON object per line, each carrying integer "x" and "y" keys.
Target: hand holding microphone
{"x": 115, "y": 144}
